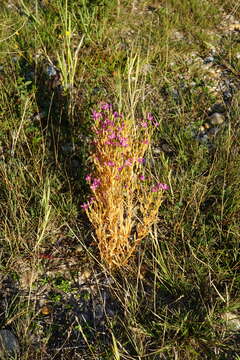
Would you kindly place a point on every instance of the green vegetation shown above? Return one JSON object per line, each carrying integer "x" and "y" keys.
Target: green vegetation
{"x": 179, "y": 296}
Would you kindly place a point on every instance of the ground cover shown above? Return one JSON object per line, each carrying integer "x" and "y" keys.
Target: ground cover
{"x": 173, "y": 61}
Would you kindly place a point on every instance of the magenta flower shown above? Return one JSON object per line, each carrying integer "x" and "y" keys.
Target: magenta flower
{"x": 123, "y": 141}
{"x": 110, "y": 163}
{"x": 128, "y": 162}
{"x": 103, "y": 124}
{"x": 159, "y": 186}
{"x": 95, "y": 184}
{"x": 84, "y": 206}
{"x": 162, "y": 186}
{"x": 112, "y": 136}
{"x": 96, "y": 181}
{"x": 116, "y": 115}
{"x": 109, "y": 122}
{"x": 121, "y": 128}
{"x": 120, "y": 168}
{"x": 150, "y": 117}
{"x": 106, "y": 106}
{"x": 141, "y": 160}
{"x": 96, "y": 115}
{"x": 144, "y": 124}
{"x": 142, "y": 177}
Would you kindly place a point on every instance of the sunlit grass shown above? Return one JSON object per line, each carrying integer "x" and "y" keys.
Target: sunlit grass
{"x": 176, "y": 251}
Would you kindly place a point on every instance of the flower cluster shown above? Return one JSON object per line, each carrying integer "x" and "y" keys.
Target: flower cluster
{"x": 86, "y": 205}
{"x": 149, "y": 121}
{"x": 125, "y": 201}
{"x": 160, "y": 186}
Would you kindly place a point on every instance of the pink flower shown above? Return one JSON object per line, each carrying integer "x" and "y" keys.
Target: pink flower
{"x": 145, "y": 142}
{"x": 121, "y": 128}
{"x": 128, "y": 162}
{"x": 162, "y": 186}
{"x": 110, "y": 163}
{"x": 109, "y": 122}
{"x": 103, "y": 124}
{"x": 95, "y": 184}
{"x": 141, "y": 160}
{"x": 88, "y": 177}
{"x": 96, "y": 115}
{"x": 116, "y": 115}
{"x": 142, "y": 177}
{"x": 159, "y": 186}
{"x": 122, "y": 141}
{"x": 150, "y": 117}
{"x": 112, "y": 136}
{"x": 144, "y": 124}
{"x": 84, "y": 206}
{"x": 106, "y": 106}
{"x": 109, "y": 142}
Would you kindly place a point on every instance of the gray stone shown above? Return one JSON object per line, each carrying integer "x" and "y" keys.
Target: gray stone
{"x": 217, "y": 119}
{"x": 227, "y": 95}
{"x": 218, "y": 108}
{"x": 208, "y": 59}
{"x": 232, "y": 321}
{"x": 9, "y": 345}
{"x": 51, "y": 70}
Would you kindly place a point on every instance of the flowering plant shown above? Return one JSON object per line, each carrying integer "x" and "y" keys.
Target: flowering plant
{"x": 125, "y": 204}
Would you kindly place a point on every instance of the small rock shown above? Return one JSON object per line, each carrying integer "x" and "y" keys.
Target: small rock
{"x": 218, "y": 108}
{"x": 234, "y": 27}
{"x": 213, "y": 131}
{"x": 84, "y": 276}
{"x": 51, "y": 71}
{"x": 176, "y": 96}
{"x": 232, "y": 321}
{"x": 202, "y": 138}
{"x": 208, "y": 59}
{"x": 151, "y": 8}
{"x": 177, "y": 36}
{"x": 147, "y": 68}
{"x": 227, "y": 95}
{"x": 79, "y": 249}
{"x": 217, "y": 119}
{"x": 39, "y": 116}
{"x": 9, "y": 345}
{"x": 67, "y": 148}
